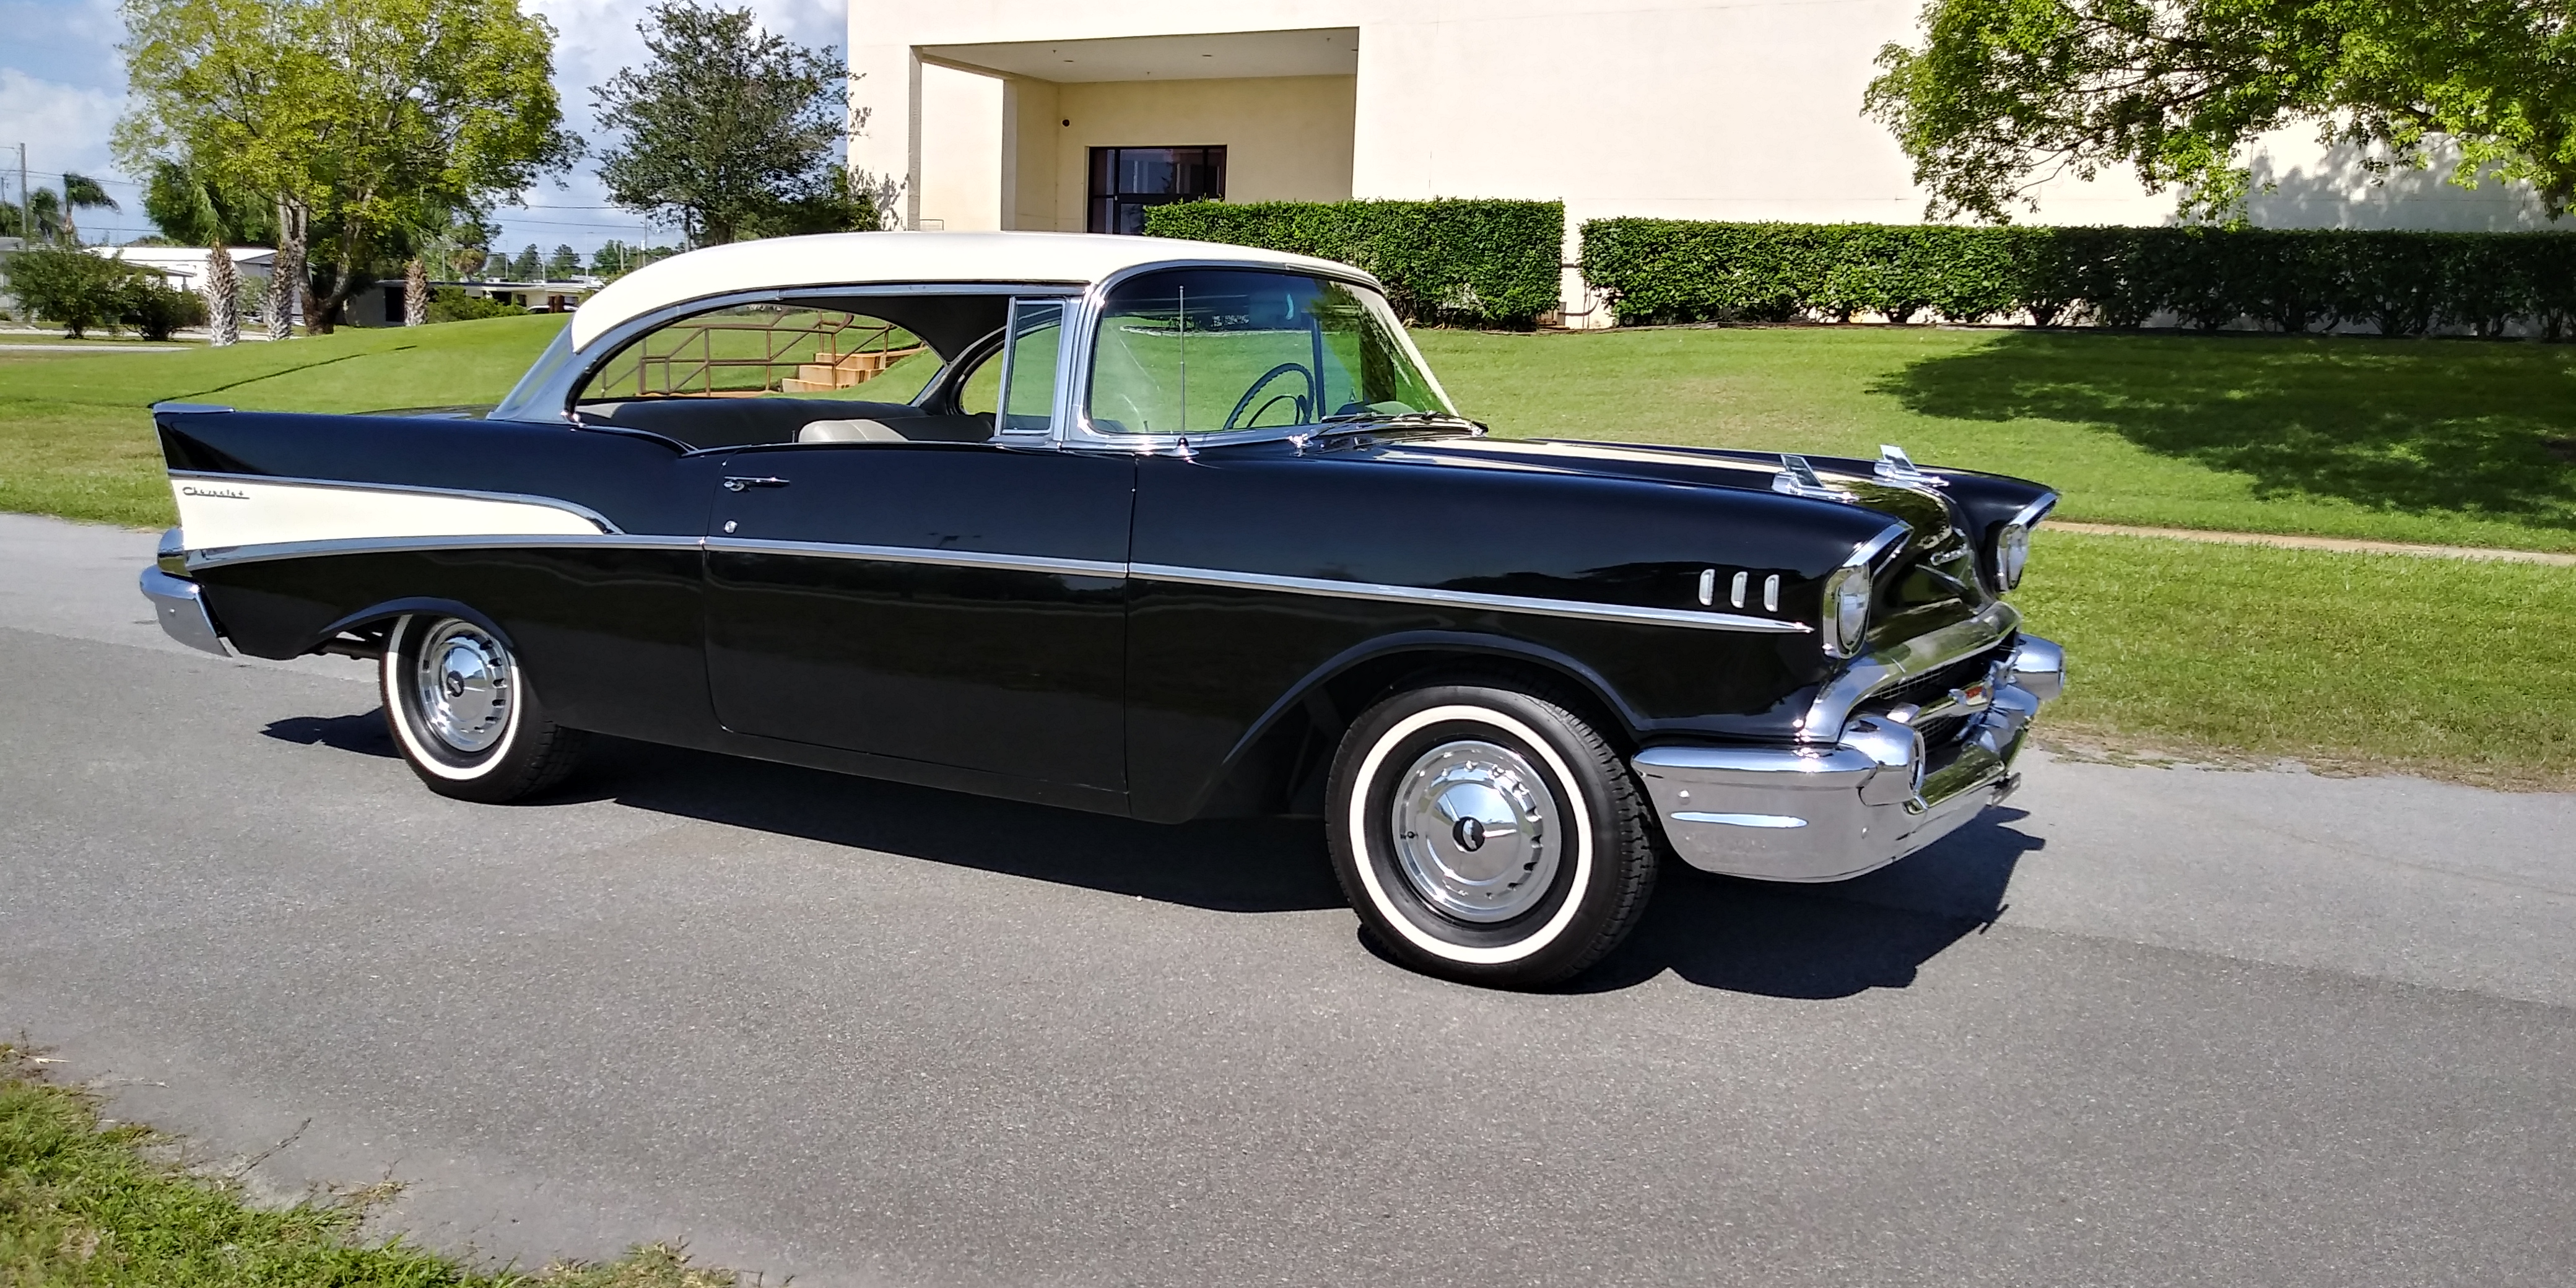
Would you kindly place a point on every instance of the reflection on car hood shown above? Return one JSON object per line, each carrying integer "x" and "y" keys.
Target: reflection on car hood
{"x": 1934, "y": 580}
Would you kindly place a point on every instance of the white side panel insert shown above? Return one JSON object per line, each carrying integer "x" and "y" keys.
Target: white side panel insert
{"x": 234, "y": 511}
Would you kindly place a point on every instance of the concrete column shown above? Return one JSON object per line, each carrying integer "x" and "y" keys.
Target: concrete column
{"x": 885, "y": 81}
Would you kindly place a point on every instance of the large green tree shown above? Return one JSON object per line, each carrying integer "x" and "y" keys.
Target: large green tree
{"x": 192, "y": 207}
{"x": 373, "y": 122}
{"x": 729, "y": 131}
{"x": 444, "y": 106}
{"x": 231, "y": 90}
{"x": 2003, "y": 95}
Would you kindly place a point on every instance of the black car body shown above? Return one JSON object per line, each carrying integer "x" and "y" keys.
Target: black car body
{"x": 1081, "y": 588}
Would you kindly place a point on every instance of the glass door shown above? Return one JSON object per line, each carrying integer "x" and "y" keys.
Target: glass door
{"x": 1124, "y": 181}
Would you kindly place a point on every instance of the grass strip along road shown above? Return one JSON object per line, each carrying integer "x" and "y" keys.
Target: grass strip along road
{"x": 2381, "y": 661}
{"x": 85, "y": 1204}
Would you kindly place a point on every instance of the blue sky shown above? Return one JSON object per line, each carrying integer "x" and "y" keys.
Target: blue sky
{"x": 62, "y": 88}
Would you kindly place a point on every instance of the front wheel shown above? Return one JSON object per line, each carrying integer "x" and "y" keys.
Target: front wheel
{"x": 465, "y": 716}
{"x": 1488, "y": 835}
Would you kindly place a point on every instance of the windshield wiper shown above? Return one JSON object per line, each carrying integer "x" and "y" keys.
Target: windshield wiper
{"x": 1366, "y": 418}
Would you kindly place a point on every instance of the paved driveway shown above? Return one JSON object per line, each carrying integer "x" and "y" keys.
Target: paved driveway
{"x": 2146, "y": 1026}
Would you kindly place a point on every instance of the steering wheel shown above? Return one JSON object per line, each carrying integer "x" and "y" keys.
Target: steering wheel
{"x": 1305, "y": 402}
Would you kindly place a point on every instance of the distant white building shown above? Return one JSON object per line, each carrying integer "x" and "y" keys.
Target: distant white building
{"x": 1040, "y": 114}
{"x": 186, "y": 265}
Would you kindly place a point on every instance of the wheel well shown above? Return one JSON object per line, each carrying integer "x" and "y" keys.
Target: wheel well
{"x": 1283, "y": 767}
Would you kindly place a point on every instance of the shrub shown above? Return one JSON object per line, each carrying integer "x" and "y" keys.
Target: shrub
{"x": 2403, "y": 283}
{"x": 79, "y": 290}
{"x": 1487, "y": 263}
{"x": 156, "y": 308}
{"x": 452, "y": 304}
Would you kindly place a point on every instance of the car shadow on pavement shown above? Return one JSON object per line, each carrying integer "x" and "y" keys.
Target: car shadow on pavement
{"x": 1817, "y": 942}
{"x": 364, "y": 733}
{"x": 1227, "y": 865}
{"x": 1792, "y": 941}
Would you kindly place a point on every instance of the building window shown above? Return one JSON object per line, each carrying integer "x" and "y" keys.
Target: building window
{"x": 1126, "y": 180}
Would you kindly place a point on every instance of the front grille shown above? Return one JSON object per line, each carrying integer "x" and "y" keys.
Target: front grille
{"x": 1933, "y": 685}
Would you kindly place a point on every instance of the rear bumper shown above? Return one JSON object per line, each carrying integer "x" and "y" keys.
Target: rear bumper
{"x": 181, "y": 606}
{"x": 1811, "y": 813}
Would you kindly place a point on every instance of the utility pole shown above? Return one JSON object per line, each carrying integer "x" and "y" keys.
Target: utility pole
{"x": 26, "y": 208}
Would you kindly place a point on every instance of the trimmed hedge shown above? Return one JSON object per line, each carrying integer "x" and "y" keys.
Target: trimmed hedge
{"x": 2401, "y": 283}
{"x": 1479, "y": 263}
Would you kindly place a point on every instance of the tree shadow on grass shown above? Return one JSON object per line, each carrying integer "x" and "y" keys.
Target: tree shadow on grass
{"x": 2409, "y": 426}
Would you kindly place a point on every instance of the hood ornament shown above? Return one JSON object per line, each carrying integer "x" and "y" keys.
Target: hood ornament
{"x": 1798, "y": 478}
{"x": 1898, "y": 468}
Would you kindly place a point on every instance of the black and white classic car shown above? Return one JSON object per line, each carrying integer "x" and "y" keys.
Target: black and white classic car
{"x": 1148, "y": 527}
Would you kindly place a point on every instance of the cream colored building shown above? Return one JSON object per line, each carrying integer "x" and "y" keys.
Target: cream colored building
{"x": 1016, "y": 113}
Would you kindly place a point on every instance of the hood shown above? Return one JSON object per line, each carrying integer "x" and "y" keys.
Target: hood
{"x": 1931, "y": 580}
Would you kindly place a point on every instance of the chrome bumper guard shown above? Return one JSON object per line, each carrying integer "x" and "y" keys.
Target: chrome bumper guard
{"x": 1826, "y": 813}
{"x": 181, "y": 606}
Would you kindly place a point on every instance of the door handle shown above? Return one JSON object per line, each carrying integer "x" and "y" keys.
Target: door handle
{"x": 737, "y": 483}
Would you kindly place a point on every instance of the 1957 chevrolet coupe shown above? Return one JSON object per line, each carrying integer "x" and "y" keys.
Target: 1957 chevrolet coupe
{"x": 1147, "y": 527}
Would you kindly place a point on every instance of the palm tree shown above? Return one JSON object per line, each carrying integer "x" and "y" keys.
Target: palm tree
{"x": 46, "y": 206}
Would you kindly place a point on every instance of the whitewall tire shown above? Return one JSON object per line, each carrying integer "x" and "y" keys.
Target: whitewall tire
{"x": 1488, "y": 835}
{"x": 465, "y": 715}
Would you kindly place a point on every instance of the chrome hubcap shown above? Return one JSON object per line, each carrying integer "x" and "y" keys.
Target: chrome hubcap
{"x": 463, "y": 677}
{"x": 1471, "y": 831}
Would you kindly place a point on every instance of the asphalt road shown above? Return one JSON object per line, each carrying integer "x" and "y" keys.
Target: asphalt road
{"x": 2147, "y": 1026}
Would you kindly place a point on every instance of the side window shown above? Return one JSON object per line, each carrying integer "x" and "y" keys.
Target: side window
{"x": 768, "y": 350}
{"x": 1029, "y": 366}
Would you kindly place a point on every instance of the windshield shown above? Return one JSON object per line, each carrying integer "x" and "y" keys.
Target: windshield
{"x": 1209, "y": 351}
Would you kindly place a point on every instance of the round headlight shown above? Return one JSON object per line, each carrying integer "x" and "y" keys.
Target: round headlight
{"x": 2012, "y": 554}
{"x": 1846, "y": 624}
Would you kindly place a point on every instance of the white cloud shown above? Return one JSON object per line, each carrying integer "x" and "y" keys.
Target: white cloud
{"x": 62, "y": 87}
{"x": 65, "y": 127}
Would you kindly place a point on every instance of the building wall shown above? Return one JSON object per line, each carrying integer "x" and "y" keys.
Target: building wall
{"x": 1287, "y": 138}
{"x": 1704, "y": 109}
{"x": 961, "y": 151}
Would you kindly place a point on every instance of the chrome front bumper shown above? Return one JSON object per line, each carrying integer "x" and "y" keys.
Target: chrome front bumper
{"x": 181, "y": 606}
{"x": 1824, "y": 813}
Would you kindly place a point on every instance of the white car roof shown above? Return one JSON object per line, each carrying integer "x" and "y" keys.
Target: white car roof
{"x": 858, "y": 259}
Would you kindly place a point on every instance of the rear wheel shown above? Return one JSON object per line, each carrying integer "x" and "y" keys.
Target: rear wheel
{"x": 1488, "y": 835}
{"x": 465, "y": 716}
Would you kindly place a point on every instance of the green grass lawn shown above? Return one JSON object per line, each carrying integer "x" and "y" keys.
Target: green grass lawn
{"x": 2346, "y": 661}
{"x": 76, "y": 441}
{"x": 2452, "y": 442}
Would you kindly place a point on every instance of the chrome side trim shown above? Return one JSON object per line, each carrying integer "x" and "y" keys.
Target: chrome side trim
{"x": 220, "y": 557}
{"x": 1469, "y": 599}
{"x": 1741, "y": 820}
{"x": 180, "y": 605}
{"x": 183, "y": 408}
{"x": 224, "y": 555}
{"x": 348, "y": 485}
{"x": 1899, "y": 662}
{"x": 915, "y": 555}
